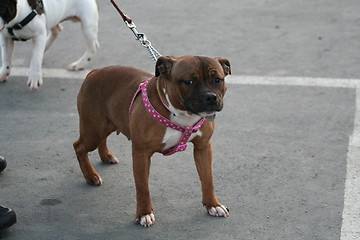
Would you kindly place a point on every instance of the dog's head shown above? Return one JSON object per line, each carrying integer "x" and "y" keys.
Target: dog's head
{"x": 7, "y": 12}
{"x": 194, "y": 84}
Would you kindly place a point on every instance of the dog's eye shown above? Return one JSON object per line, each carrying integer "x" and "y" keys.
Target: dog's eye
{"x": 218, "y": 80}
{"x": 187, "y": 82}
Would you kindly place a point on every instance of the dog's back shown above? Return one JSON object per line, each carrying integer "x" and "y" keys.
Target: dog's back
{"x": 58, "y": 11}
{"x": 109, "y": 87}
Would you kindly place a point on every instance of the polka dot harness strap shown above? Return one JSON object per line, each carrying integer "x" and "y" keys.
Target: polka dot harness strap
{"x": 186, "y": 130}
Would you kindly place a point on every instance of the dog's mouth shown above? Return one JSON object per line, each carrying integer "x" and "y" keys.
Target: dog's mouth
{"x": 207, "y": 112}
{"x": 209, "y": 116}
{"x": 204, "y": 105}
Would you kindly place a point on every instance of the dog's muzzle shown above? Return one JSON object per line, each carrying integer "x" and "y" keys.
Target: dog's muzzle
{"x": 206, "y": 105}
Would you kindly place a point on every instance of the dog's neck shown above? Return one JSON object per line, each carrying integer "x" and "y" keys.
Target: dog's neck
{"x": 180, "y": 117}
{"x": 180, "y": 126}
{"x": 22, "y": 10}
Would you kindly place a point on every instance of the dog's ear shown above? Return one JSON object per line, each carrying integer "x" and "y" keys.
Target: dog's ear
{"x": 225, "y": 65}
{"x": 164, "y": 65}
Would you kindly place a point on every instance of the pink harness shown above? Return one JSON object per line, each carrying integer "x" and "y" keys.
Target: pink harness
{"x": 186, "y": 131}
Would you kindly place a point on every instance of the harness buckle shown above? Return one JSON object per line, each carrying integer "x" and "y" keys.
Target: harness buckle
{"x": 179, "y": 148}
{"x": 17, "y": 26}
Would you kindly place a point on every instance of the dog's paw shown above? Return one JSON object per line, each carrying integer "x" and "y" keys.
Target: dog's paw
{"x": 94, "y": 179}
{"x": 34, "y": 82}
{"x": 219, "y": 211}
{"x": 146, "y": 220}
{"x": 75, "y": 67}
{"x": 78, "y": 65}
{"x": 109, "y": 159}
{"x": 4, "y": 74}
{"x": 4, "y": 78}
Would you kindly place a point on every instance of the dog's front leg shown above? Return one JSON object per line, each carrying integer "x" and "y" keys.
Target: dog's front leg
{"x": 141, "y": 168}
{"x": 203, "y": 160}
{"x": 35, "y": 74}
{"x": 7, "y": 52}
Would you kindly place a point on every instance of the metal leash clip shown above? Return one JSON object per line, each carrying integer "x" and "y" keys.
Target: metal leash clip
{"x": 141, "y": 37}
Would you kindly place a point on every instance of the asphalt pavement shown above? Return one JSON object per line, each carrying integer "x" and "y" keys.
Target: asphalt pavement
{"x": 280, "y": 151}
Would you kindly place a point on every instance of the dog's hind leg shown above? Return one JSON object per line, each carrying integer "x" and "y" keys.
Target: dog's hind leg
{"x": 90, "y": 29}
{"x": 88, "y": 141}
{"x": 105, "y": 155}
{"x": 54, "y": 32}
{"x": 90, "y": 174}
{"x": 92, "y": 136}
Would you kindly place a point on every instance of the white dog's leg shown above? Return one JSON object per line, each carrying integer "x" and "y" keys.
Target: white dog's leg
{"x": 54, "y": 32}
{"x": 90, "y": 29}
{"x": 7, "y": 52}
{"x": 35, "y": 74}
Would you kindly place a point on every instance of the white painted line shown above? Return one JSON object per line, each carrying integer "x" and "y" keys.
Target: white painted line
{"x": 51, "y": 73}
{"x": 350, "y": 228}
{"x": 294, "y": 81}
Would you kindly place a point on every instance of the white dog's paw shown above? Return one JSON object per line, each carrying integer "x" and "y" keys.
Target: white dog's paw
{"x": 220, "y": 211}
{"x": 79, "y": 65}
{"x": 75, "y": 67}
{"x": 4, "y": 74}
{"x": 34, "y": 82}
{"x": 4, "y": 78}
{"x": 146, "y": 220}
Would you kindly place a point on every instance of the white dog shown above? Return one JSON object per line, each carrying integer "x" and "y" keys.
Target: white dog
{"x": 39, "y": 20}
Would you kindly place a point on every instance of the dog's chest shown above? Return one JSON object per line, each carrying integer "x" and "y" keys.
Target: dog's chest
{"x": 172, "y": 136}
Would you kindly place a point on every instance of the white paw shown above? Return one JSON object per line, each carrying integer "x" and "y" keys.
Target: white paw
{"x": 220, "y": 211}
{"x": 110, "y": 159}
{"x": 4, "y": 78}
{"x": 4, "y": 74}
{"x": 114, "y": 160}
{"x": 146, "y": 220}
{"x": 34, "y": 82}
{"x": 95, "y": 180}
{"x": 79, "y": 65}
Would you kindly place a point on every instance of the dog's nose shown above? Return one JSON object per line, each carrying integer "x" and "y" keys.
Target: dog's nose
{"x": 210, "y": 98}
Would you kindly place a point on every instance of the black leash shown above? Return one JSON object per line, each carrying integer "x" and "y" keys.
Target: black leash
{"x": 139, "y": 36}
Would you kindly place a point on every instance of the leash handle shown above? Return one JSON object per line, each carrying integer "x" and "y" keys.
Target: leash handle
{"x": 121, "y": 12}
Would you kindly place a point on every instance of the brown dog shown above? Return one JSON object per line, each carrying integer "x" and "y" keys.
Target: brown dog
{"x": 182, "y": 93}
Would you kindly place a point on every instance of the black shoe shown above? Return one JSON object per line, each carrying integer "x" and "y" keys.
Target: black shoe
{"x": 2, "y": 163}
{"x": 7, "y": 218}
